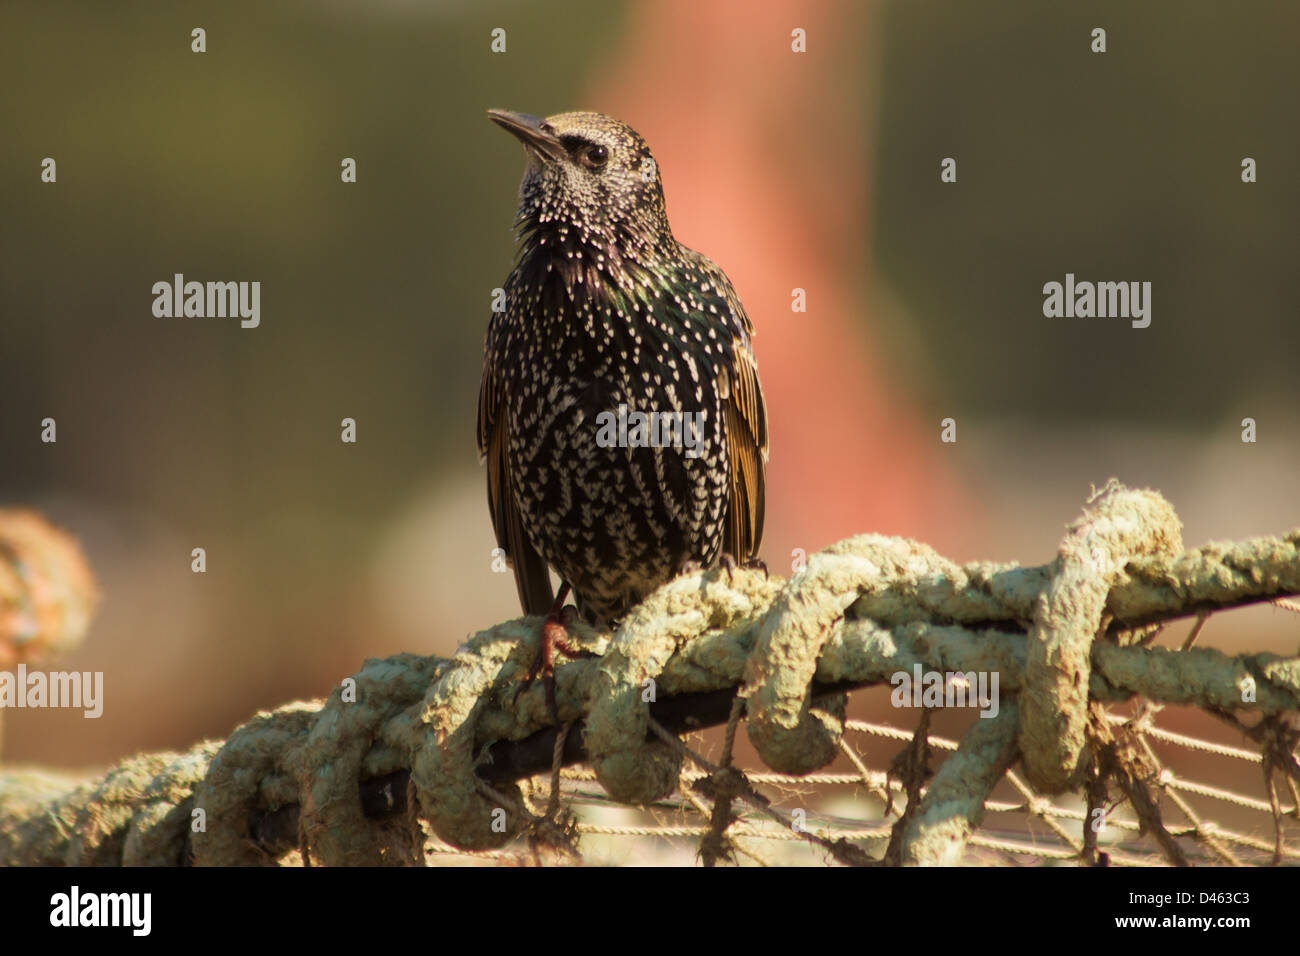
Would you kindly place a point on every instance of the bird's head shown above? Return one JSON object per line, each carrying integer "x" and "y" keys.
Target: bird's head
{"x": 590, "y": 173}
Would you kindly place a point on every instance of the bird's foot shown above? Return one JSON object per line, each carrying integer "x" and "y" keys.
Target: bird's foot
{"x": 555, "y": 638}
{"x": 689, "y": 566}
{"x": 729, "y": 562}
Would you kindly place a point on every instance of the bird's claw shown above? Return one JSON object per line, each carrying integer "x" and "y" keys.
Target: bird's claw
{"x": 689, "y": 566}
{"x": 555, "y": 637}
{"x": 728, "y": 561}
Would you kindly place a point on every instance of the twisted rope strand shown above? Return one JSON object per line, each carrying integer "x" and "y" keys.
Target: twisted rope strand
{"x": 1064, "y": 640}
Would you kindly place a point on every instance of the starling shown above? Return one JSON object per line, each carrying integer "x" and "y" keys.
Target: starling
{"x": 607, "y": 315}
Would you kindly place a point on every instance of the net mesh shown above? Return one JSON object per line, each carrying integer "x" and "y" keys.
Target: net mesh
{"x": 862, "y": 805}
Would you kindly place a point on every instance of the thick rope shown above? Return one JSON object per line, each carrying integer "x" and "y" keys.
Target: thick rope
{"x": 1061, "y": 638}
{"x": 1117, "y": 525}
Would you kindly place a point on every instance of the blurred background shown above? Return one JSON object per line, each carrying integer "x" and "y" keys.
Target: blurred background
{"x": 817, "y": 170}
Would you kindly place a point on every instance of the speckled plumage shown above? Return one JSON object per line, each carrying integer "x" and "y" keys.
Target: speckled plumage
{"x": 604, "y": 307}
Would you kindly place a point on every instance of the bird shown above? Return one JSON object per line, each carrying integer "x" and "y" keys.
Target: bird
{"x": 606, "y": 317}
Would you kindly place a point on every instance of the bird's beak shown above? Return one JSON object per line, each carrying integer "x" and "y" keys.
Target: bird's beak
{"x": 538, "y": 138}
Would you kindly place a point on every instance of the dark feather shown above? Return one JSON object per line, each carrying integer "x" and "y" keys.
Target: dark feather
{"x": 532, "y": 579}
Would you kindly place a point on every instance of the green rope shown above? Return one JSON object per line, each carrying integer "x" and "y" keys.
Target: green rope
{"x": 1060, "y": 638}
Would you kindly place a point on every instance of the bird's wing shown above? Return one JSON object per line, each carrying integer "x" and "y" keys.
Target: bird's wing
{"x": 532, "y": 579}
{"x": 746, "y": 418}
{"x": 746, "y": 423}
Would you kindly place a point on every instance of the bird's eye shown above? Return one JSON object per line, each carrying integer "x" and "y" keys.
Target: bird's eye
{"x": 594, "y": 157}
